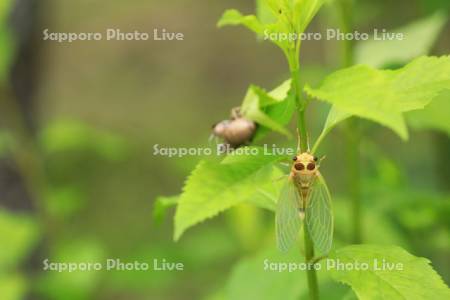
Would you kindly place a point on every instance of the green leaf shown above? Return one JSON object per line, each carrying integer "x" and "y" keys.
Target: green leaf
{"x": 161, "y": 205}
{"x": 264, "y": 12}
{"x": 234, "y": 17}
{"x": 266, "y": 195}
{"x": 383, "y": 95}
{"x": 272, "y": 111}
{"x": 335, "y": 116}
{"x": 214, "y": 187}
{"x": 416, "y": 279}
{"x": 276, "y": 17}
{"x": 434, "y": 116}
{"x": 420, "y": 36}
{"x": 305, "y": 10}
{"x": 18, "y": 235}
{"x": 251, "y": 280}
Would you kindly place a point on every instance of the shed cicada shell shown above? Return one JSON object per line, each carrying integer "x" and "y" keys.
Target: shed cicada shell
{"x": 236, "y": 131}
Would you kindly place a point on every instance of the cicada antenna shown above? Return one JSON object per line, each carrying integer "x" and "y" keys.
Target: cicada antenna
{"x": 321, "y": 159}
{"x": 307, "y": 142}
{"x": 299, "y": 142}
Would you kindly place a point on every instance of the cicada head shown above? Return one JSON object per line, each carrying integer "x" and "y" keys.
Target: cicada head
{"x": 305, "y": 163}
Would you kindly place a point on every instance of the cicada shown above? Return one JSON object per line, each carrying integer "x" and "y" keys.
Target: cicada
{"x": 235, "y": 132}
{"x": 305, "y": 198}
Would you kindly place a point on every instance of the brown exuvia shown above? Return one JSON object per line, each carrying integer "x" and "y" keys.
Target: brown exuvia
{"x": 237, "y": 131}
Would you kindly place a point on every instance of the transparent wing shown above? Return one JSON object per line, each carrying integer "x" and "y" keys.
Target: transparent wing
{"x": 287, "y": 218}
{"x": 319, "y": 217}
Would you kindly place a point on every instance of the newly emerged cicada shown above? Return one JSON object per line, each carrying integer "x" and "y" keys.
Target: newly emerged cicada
{"x": 305, "y": 198}
{"x": 235, "y": 132}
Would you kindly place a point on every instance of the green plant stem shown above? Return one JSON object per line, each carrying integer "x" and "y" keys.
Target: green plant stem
{"x": 313, "y": 287}
{"x": 353, "y": 141}
{"x": 351, "y": 130}
{"x": 294, "y": 65}
{"x": 347, "y": 26}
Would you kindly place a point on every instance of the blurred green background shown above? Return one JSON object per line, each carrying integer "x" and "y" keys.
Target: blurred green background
{"x": 78, "y": 178}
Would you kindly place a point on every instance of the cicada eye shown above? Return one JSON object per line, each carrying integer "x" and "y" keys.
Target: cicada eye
{"x": 311, "y": 166}
{"x": 299, "y": 167}
{"x": 294, "y": 158}
{"x": 316, "y": 158}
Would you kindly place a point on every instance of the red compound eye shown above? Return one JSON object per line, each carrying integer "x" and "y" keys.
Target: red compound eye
{"x": 299, "y": 166}
{"x": 311, "y": 166}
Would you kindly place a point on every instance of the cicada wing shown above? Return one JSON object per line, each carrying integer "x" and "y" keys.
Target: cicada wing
{"x": 319, "y": 216}
{"x": 287, "y": 217}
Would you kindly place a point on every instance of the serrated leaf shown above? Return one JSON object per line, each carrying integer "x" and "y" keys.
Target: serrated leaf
{"x": 383, "y": 95}
{"x": 412, "y": 278}
{"x": 214, "y": 187}
{"x": 434, "y": 116}
{"x": 266, "y": 195}
{"x": 419, "y": 37}
{"x": 272, "y": 111}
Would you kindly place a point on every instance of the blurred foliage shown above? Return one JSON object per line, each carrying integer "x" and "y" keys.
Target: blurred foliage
{"x": 13, "y": 287}
{"x": 7, "y": 46}
{"x": 419, "y": 38}
{"x": 76, "y": 284}
{"x": 100, "y": 107}
{"x": 18, "y": 234}
{"x": 18, "y": 237}
{"x": 75, "y": 136}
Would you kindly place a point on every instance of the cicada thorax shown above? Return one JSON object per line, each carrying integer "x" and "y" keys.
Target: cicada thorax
{"x": 304, "y": 172}
{"x": 236, "y": 131}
